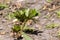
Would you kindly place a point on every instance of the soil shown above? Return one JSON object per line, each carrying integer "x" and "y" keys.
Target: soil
{"x": 46, "y": 34}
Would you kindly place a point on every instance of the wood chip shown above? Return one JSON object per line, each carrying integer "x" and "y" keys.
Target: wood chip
{"x": 53, "y": 8}
{"x": 45, "y": 7}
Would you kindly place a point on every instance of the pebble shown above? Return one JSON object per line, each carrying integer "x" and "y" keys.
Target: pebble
{"x": 3, "y": 21}
{"x": 1, "y": 28}
{"x": 2, "y": 33}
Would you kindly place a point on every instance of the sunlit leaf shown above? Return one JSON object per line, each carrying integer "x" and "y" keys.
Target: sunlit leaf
{"x": 49, "y": 0}
{"x": 33, "y": 13}
{"x": 27, "y": 12}
{"x": 2, "y": 6}
{"x": 26, "y": 36}
{"x": 16, "y": 28}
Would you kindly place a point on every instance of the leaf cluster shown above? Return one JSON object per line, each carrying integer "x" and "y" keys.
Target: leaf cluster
{"x": 23, "y": 16}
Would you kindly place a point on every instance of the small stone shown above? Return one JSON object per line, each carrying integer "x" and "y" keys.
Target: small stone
{"x": 2, "y": 33}
{"x": 29, "y": 22}
{"x": 11, "y": 34}
{"x": 22, "y": 36}
{"x": 36, "y": 17}
{"x": 1, "y": 28}
{"x": 3, "y": 21}
{"x": 53, "y": 19}
{"x": 54, "y": 6}
{"x": 15, "y": 20}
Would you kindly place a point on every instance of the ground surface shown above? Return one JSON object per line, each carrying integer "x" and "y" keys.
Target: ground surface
{"x": 48, "y": 34}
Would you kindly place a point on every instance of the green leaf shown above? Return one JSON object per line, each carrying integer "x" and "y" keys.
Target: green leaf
{"x": 33, "y": 13}
{"x": 20, "y": 12}
{"x": 16, "y": 28}
{"x": 26, "y": 36}
{"x": 52, "y": 25}
{"x": 27, "y": 12}
{"x": 17, "y": 14}
{"x": 58, "y": 13}
{"x": 2, "y": 6}
{"x": 10, "y": 16}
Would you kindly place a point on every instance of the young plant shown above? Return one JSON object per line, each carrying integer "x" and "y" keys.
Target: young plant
{"x": 52, "y": 25}
{"x": 23, "y": 16}
{"x": 2, "y": 6}
{"x": 58, "y": 14}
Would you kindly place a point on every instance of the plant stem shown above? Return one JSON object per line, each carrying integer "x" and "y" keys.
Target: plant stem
{"x": 23, "y": 25}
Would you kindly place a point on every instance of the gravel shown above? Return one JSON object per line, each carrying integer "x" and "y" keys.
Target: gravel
{"x": 49, "y": 34}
